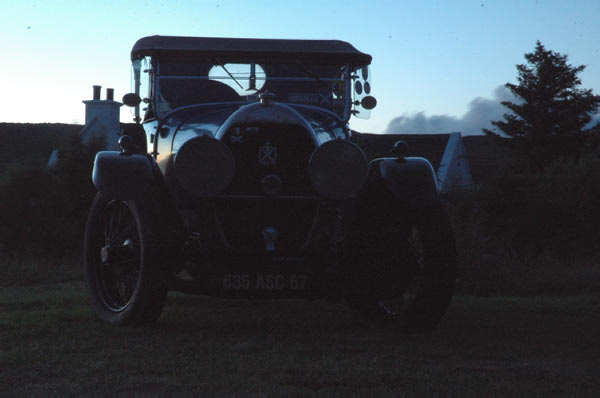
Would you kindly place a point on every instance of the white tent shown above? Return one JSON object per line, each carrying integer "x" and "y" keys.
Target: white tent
{"x": 454, "y": 173}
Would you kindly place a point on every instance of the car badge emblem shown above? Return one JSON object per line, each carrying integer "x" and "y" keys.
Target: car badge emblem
{"x": 271, "y": 185}
{"x": 325, "y": 99}
{"x": 267, "y": 154}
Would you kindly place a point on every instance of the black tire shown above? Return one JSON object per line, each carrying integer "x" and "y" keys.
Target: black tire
{"x": 123, "y": 273}
{"x": 412, "y": 284}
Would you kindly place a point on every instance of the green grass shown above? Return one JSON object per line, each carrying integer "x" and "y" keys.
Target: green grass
{"x": 51, "y": 345}
{"x": 29, "y": 269}
{"x": 505, "y": 273}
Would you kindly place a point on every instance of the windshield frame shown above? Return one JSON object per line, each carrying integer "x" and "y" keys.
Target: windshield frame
{"x": 345, "y": 80}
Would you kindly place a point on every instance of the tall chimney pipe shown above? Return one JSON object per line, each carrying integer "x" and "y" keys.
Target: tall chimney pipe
{"x": 97, "y": 92}
{"x": 110, "y": 93}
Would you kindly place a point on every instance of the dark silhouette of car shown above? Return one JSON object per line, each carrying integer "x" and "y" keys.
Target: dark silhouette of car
{"x": 239, "y": 179}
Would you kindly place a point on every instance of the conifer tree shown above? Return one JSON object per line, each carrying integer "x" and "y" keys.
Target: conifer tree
{"x": 552, "y": 110}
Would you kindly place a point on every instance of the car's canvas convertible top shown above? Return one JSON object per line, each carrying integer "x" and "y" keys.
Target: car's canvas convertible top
{"x": 336, "y": 51}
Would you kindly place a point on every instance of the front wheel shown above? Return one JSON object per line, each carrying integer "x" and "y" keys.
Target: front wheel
{"x": 408, "y": 277}
{"x": 124, "y": 279}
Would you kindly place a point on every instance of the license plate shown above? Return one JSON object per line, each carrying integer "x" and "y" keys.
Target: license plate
{"x": 264, "y": 281}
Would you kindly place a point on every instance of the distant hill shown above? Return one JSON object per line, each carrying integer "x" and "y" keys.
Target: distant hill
{"x": 22, "y": 142}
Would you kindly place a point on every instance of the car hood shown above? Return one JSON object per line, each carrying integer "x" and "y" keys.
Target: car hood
{"x": 187, "y": 123}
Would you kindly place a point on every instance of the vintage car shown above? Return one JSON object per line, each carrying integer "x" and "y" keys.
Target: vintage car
{"x": 239, "y": 178}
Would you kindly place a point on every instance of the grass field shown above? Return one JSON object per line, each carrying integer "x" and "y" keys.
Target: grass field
{"x": 537, "y": 346}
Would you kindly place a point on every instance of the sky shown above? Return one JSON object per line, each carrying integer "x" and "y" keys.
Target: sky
{"x": 438, "y": 66}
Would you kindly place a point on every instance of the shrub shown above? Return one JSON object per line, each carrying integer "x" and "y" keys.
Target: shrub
{"x": 571, "y": 190}
{"x": 43, "y": 210}
{"x": 528, "y": 233}
{"x": 556, "y": 210}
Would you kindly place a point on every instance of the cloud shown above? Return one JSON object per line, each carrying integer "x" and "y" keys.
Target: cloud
{"x": 479, "y": 115}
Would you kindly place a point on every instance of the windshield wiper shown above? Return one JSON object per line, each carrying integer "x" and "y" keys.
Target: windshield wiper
{"x": 222, "y": 65}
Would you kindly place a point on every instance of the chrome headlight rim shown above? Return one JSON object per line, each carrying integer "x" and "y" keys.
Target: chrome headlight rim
{"x": 338, "y": 169}
{"x": 204, "y": 166}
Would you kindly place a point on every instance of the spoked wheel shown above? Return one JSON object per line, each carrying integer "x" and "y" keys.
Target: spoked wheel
{"x": 122, "y": 275}
{"x": 414, "y": 279}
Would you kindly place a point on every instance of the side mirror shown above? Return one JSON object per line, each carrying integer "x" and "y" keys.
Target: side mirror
{"x": 131, "y": 99}
{"x": 368, "y": 102}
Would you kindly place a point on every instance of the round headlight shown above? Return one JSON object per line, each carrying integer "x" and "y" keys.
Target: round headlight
{"x": 337, "y": 169}
{"x": 204, "y": 166}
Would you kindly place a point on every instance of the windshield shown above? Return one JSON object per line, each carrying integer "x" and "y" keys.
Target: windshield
{"x": 184, "y": 82}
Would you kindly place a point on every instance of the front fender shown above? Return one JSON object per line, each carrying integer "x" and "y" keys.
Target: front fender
{"x": 411, "y": 181}
{"x": 397, "y": 191}
{"x": 122, "y": 176}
